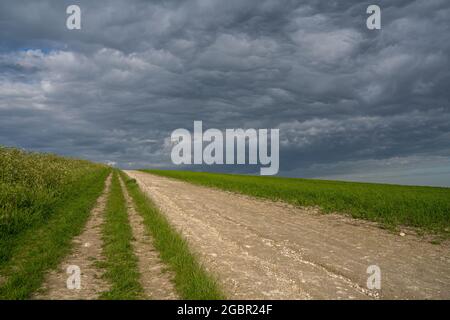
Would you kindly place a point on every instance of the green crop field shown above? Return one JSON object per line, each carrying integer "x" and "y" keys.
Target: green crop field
{"x": 426, "y": 208}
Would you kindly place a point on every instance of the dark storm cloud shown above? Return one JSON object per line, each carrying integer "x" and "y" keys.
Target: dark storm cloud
{"x": 344, "y": 98}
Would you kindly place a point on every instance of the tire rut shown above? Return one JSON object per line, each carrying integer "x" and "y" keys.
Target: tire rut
{"x": 87, "y": 252}
{"x": 156, "y": 279}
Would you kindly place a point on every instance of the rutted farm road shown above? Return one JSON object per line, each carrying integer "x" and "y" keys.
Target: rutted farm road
{"x": 263, "y": 250}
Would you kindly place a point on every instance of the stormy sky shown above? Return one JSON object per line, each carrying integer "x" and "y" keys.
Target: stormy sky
{"x": 350, "y": 103}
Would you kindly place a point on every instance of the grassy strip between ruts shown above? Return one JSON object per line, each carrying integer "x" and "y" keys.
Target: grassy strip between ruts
{"x": 426, "y": 208}
{"x": 121, "y": 263}
{"x": 43, "y": 245}
{"x": 191, "y": 280}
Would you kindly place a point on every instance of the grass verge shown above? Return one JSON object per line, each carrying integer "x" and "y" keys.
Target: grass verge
{"x": 33, "y": 187}
{"x": 42, "y": 245}
{"x": 426, "y": 208}
{"x": 121, "y": 263}
{"x": 191, "y": 280}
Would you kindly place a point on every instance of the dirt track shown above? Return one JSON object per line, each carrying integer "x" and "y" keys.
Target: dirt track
{"x": 155, "y": 278}
{"x": 264, "y": 250}
{"x": 86, "y": 253}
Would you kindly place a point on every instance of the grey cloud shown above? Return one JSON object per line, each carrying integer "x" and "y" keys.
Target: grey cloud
{"x": 137, "y": 70}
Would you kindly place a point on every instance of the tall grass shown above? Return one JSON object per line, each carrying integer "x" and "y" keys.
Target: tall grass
{"x": 44, "y": 202}
{"x": 31, "y": 186}
{"x": 427, "y": 208}
{"x": 191, "y": 279}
